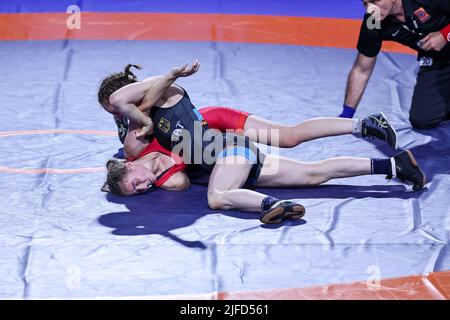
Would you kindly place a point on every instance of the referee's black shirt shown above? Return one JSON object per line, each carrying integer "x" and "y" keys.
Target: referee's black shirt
{"x": 429, "y": 16}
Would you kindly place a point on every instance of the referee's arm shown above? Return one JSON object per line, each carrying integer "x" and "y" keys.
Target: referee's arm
{"x": 358, "y": 78}
{"x": 444, "y": 7}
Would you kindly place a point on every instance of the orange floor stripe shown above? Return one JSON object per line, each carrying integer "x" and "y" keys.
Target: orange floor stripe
{"x": 56, "y": 131}
{"x": 435, "y": 286}
{"x": 51, "y": 170}
{"x": 441, "y": 280}
{"x": 323, "y": 32}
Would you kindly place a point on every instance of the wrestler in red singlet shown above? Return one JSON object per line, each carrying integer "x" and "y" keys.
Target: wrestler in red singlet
{"x": 221, "y": 118}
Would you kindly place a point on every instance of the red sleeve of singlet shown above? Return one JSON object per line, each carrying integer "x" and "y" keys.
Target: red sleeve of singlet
{"x": 223, "y": 118}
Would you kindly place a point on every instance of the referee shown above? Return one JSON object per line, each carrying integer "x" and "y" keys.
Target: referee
{"x": 423, "y": 25}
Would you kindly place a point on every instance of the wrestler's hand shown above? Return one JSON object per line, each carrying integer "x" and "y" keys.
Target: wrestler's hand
{"x": 372, "y": 9}
{"x": 147, "y": 129}
{"x": 185, "y": 70}
{"x": 435, "y": 41}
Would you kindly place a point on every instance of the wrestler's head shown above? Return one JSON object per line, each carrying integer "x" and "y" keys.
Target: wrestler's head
{"x": 128, "y": 178}
{"x": 113, "y": 83}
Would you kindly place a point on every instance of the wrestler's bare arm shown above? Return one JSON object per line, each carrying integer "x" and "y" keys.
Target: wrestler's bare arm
{"x": 159, "y": 88}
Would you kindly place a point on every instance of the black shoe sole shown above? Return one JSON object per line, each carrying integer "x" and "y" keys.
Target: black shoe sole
{"x": 414, "y": 162}
{"x": 278, "y": 214}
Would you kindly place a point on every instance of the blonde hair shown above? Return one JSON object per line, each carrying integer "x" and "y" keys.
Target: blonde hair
{"x": 116, "y": 173}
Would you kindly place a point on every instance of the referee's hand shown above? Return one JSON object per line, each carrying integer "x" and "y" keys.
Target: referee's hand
{"x": 433, "y": 42}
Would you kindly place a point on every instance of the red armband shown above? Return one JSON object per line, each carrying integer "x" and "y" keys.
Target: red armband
{"x": 446, "y": 33}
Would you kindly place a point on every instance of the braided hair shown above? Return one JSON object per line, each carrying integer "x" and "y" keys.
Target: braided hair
{"x": 116, "y": 173}
{"x": 116, "y": 81}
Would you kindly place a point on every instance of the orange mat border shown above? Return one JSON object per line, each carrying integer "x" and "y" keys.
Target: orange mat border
{"x": 322, "y": 32}
{"x": 433, "y": 286}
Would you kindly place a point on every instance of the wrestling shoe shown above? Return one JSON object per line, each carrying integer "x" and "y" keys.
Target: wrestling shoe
{"x": 405, "y": 168}
{"x": 282, "y": 210}
{"x": 379, "y": 127}
{"x": 122, "y": 127}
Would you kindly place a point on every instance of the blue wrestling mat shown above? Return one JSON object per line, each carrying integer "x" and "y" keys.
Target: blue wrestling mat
{"x": 63, "y": 238}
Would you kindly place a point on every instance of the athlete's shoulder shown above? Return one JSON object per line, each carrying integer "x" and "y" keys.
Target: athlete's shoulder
{"x": 425, "y": 2}
{"x": 178, "y": 181}
{"x": 432, "y": 4}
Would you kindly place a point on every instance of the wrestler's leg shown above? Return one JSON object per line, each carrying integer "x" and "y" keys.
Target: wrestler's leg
{"x": 272, "y": 133}
{"x": 375, "y": 126}
{"x": 259, "y": 129}
{"x": 284, "y": 172}
{"x": 225, "y": 183}
{"x": 225, "y": 192}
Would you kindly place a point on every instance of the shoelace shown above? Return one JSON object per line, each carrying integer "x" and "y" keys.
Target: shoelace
{"x": 402, "y": 180}
{"x": 372, "y": 133}
{"x": 381, "y": 123}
